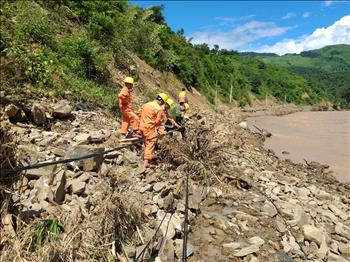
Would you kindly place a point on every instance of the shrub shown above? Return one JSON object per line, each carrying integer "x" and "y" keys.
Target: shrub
{"x": 80, "y": 56}
{"x": 102, "y": 27}
{"x": 37, "y": 65}
{"x": 90, "y": 92}
{"x": 33, "y": 25}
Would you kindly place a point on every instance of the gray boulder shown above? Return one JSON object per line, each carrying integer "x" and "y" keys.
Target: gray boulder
{"x": 38, "y": 115}
{"x": 89, "y": 164}
{"x": 62, "y": 110}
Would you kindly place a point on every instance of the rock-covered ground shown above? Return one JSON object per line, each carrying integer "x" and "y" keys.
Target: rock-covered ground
{"x": 245, "y": 204}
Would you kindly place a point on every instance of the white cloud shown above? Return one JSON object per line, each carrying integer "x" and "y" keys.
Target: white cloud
{"x": 288, "y": 16}
{"x": 328, "y": 3}
{"x": 306, "y": 14}
{"x": 231, "y": 20}
{"x": 337, "y": 33}
{"x": 239, "y": 36}
{"x": 226, "y": 19}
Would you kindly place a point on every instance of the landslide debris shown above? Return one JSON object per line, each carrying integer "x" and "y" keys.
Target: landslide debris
{"x": 244, "y": 202}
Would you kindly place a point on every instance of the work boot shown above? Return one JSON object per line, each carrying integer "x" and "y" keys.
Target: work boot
{"x": 128, "y": 134}
{"x": 133, "y": 134}
{"x": 147, "y": 164}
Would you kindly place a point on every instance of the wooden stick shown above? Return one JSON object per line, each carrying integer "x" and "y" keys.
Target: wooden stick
{"x": 129, "y": 139}
{"x": 126, "y": 255}
{"x": 138, "y": 231}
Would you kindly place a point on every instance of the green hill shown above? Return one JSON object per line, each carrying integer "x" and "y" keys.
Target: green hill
{"x": 52, "y": 47}
{"x": 329, "y": 67}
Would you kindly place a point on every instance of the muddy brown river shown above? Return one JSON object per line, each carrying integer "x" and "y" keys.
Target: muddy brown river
{"x": 315, "y": 136}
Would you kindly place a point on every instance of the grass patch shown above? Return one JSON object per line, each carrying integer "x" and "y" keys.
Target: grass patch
{"x": 47, "y": 230}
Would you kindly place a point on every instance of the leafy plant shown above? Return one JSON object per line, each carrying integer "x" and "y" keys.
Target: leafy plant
{"x": 33, "y": 25}
{"x": 37, "y": 65}
{"x": 102, "y": 27}
{"x": 80, "y": 56}
{"x": 47, "y": 230}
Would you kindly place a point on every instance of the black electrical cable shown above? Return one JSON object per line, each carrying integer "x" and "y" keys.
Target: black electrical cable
{"x": 184, "y": 244}
{"x": 149, "y": 242}
{"x": 62, "y": 161}
{"x": 6, "y": 172}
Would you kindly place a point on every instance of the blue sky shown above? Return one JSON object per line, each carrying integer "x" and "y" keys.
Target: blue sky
{"x": 261, "y": 26}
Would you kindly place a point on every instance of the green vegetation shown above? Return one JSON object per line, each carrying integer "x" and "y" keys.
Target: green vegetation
{"x": 329, "y": 67}
{"x": 252, "y": 75}
{"x": 51, "y": 47}
{"x": 45, "y": 51}
{"x": 47, "y": 230}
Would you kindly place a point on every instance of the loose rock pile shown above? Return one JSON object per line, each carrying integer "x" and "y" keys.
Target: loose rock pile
{"x": 244, "y": 203}
{"x": 80, "y": 193}
{"x": 292, "y": 212}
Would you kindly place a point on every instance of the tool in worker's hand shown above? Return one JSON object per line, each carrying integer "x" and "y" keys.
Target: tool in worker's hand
{"x": 132, "y": 139}
{"x": 126, "y": 141}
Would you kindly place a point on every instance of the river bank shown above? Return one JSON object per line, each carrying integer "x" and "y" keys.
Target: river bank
{"x": 283, "y": 196}
{"x": 280, "y": 110}
{"x": 245, "y": 202}
{"x": 310, "y": 136}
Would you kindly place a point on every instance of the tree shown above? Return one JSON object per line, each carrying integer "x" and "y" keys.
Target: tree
{"x": 216, "y": 48}
{"x": 157, "y": 16}
{"x": 180, "y": 32}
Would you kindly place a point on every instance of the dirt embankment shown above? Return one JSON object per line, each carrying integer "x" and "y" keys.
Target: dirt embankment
{"x": 244, "y": 202}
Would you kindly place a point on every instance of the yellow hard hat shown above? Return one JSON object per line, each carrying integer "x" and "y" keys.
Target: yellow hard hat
{"x": 129, "y": 80}
{"x": 170, "y": 102}
{"x": 187, "y": 106}
{"x": 163, "y": 96}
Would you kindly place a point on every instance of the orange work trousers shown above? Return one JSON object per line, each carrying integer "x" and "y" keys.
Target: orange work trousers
{"x": 129, "y": 118}
{"x": 149, "y": 144}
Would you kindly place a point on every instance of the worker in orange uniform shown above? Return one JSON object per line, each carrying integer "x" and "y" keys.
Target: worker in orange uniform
{"x": 129, "y": 118}
{"x": 151, "y": 118}
{"x": 183, "y": 98}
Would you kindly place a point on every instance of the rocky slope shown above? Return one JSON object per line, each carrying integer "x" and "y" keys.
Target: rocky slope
{"x": 245, "y": 203}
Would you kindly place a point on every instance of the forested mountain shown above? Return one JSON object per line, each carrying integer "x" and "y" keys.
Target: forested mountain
{"x": 329, "y": 67}
{"x": 71, "y": 45}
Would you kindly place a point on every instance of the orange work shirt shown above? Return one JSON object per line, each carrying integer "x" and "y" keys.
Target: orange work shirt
{"x": 151, "y": 117}
{"x": 125, "y": 99}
